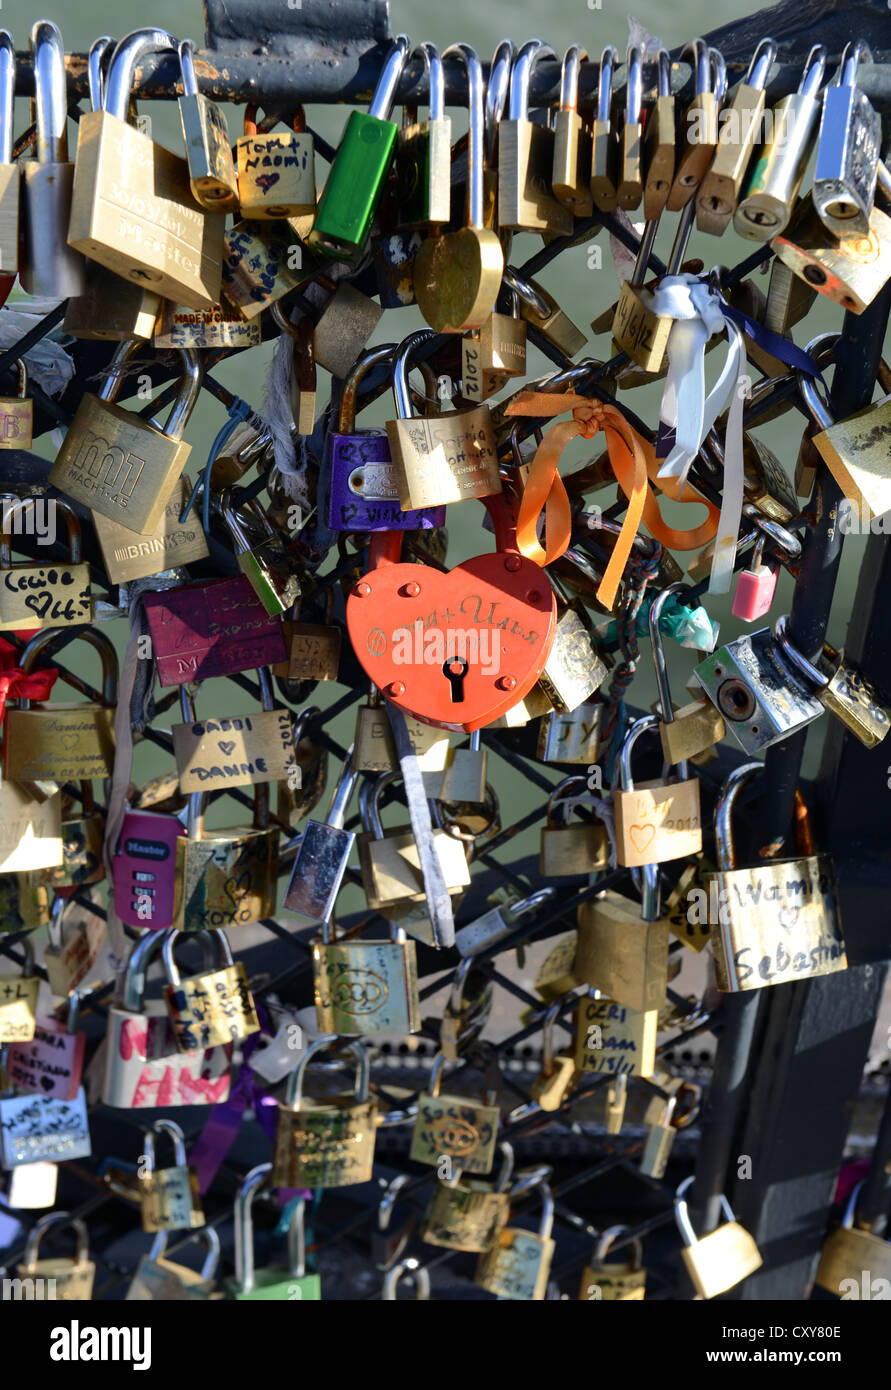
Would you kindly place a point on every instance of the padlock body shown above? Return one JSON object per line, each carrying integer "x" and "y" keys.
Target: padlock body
{"x": 324, "y": 1144}
{"x": 573, "y": 849}
{"x": 171, "y": 1200}
{"x": 851, "y": 1254}
{"x": 225, "y": 879}
{"x": 354, "y": 186}
{"x": 721, "y": 1259}
{"x": 211, "y": 629}
{"x": 457, "y": 1127}
{"x": 622, "y": 956}
{"x": 364, "y": 487}
{"x": 445, "y": 458}
{"x": 525, "y": 166}
{"x": 517, "y": 1266}
{"x": 54, "y": 595}
{"x": 757, "y": 690}
{"x": 391, "y": 867}
{"x": 754, "y": 593}
{"x": 612, "y": 1038}
{"x": 464, "y": 1216}
{"x": 212, "y": 176}
{"x": 262, "y": 262}
{"x": 848, "y": 269}
{"x": 211, "y": 1009}
{"x": 277, "y": 1285}
{"x": 142, "y": 1068}
{"x": 423, "y": 174}
{"x": 59, "y": 1278}
{"x": 366, "y": 987}
{"x": 573, "y": 737}
{"x": 39, "y": 1129}
{"x": 51, "y": 264}
{"x": 59, "y": 742}
{"x": 657, "y": 821}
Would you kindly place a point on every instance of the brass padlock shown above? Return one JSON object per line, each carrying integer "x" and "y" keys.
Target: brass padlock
{"x": 655, "y": 821}
{"x": 262, "y": 262}
{"x": 720, "y": 1260}
{"x": 30, "y": 838}
{"x": 63, "y": 742}
{"x": 37, "y": 594}
{"x": 659, "y": 142}
{"x": 572, "y": 737}
{"x": 172, "y": 544}
{"x": 467, "y": 1215}
{"x": 17, "y": 414}
{"x": 558, "y": 1073}
{"x": 519, "y": 1262}
{"x": 623, "y": 952}
{"x": 574, "y": 669}
{"x": 456, "y": 1127}
{"x": 637, "y": 328}
{"x": 464, "y": 778}
{"x": 629, "y": 189}
{"x": 842, "y": 689}
{"x": 228, "y": 877}
{"x": 212, "y": 176}
{"x": 740, "y": 133}
{"x": 423, "y": 158}
{"x": 57, "y": 1276}
{"x": 605, "y": 143}
{"x": 853, "y": 1260}
{"x": 699, "y": 126}
{"x": 570, "y": 176}
{"x": 611, "y": 1038}
{"x": 849, "y": 269}
{"x": 132, "y": 208}
{"x": 619, "y": 1281}
{"x": 363, "y": 986}
{"x": 169, "y": 1197}
{"x": 575, "y": 847}
{"x": 116, "y": 463}
{"x": 313, "y": 649}
{"x": 852, "y": 451}
{"x": 390, "y": 862}
{"x": 18, "y": 1000}
{"x": 778, "y": 921}
{"x": 212, "y": 1008}
{"x": 526, "y": 157}
{"x": 325, "y": 1142}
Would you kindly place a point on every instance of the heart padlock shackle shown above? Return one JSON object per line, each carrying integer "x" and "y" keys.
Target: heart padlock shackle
{"x": 420, "y": 634}
{"x": 170, "y": 1198}
{"x": 212, "y": 1008}
{"x": 273, "y": 1282}
{"x": 329, "y": 1142}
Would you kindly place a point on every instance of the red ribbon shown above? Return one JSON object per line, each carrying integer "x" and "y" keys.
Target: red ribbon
{"x": 16, "y": 683}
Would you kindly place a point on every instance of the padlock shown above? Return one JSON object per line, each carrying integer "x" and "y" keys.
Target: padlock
{"x": 555, "y": 325}
{"x": 466, "y": 1215}
{"x": 424, "y": 154}
{"x": 629, "y": 183}
{"x": 160, "y": 1279}
{"x": 456, "y": 1127}
{"x": 261, "y": 554}
{"x": 172, "y": 544}
{"x": 618, "y": 1281}
{"x": 276, "y": 173}
{"x": 574, "y": 669}
{"x": 655, "y": 821}
{"x": 357, "y": 176}
{"x": 366, "y": 986}
{"x": 323, "y": 854}
{"x": 848, "y": 150}
{"x": 51, "y": 262}
{"x": 498, "y": 923}
{"x": 605, "y": 139}
{"x": 325, "y": 1142}
{"x": 611, "y": 1038}
{"x": 38, "y": 1128}
{"x": 313, "y": 650}
{"x": 780, "y": 920}
{"x": 775, "y": 181}
{"x": 132, "y": 209}
{"x": 214, "y": 628}
{"x": 50, "y": 1064}
{"x": 659, "y": 1140}
{"x": 63, "y": 742}
{"x": 17, "y": 412}
{"x": 58, "y": 1276}
{"x": 637, "y": 328}
{"x": 699, "y": 126}
{"x": 615, "y": 1103}
{"x": 720, "y": 1260}
{"x": 415, "y": 1271}
{"x": 83, "y": 834}
{"x": 375, "y": 751}
{"x": 169, "y": 1197}
{"x": 177, "y": 326}
{"x": 464, "y": 778}
{"x": 842, "y": 689}
{"x": 570, "y": 174}
{"x": 849, "y": 269}
{"x": 30, "y": 838}
{"x": 852, "y": 451}
{"x": 457, "y": 276}
{"x": 76, "y": 935}
{"x": 467, "y": 1010}
{"x": 302, "y": 375}
{"x": 695, "y": 726}
{"x": 36, "y": 594}
{"x": 740, "y": 132}
{"x": 390, "y": 861}
{"x": 388, "y": 1241}
{"x": 363, "y": 488}
{"x": 212, "y": 176}
{"x": 659, "y": 142}
{"x": 454, "y": 677}
{"x": 237, "y": 751}
{"x": 556, "y": 976}
{"x": 572, "y": 737}
{"x": 272, "y": 1283}
{"x": 624, "y": 952}
{"x": 18, "y": 1000}
{"x": 262, "y": 262}
{"x": 555, "y": 1080}
{"x": 213, "y": 1007}
{"x": 142, "y": 1067}
{"x": 756, "y": 586}
{"x": 518, "y": 1264}
{"x": 117, "y": 464}
{"x": 757, "y": 690}
{"x": 497, "y": 351}
{"x": 853, "y": 1260}
{"x": 444, "y": 458}
{"x": 575, "y": 847}
{"x": 526, "y": 157}
{"x": 10, "y": 173}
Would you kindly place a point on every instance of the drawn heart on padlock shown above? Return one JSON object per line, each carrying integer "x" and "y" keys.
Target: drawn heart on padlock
{"x": 455, "y": 649}
{"x": 267, "y": 181}
{"x": 641, "y": 836}
{"x": 226, "y": 746}
{"x": 788, "y": 917}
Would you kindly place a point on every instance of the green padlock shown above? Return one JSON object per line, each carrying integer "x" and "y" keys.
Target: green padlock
{"x": 285, "y": 1285}
{"x": 358, "y": 174}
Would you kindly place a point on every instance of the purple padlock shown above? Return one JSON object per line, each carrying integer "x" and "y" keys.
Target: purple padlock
{"x": 363, "y": 491}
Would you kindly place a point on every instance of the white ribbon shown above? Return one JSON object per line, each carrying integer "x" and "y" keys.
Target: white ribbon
{"x": 696, "y": 310}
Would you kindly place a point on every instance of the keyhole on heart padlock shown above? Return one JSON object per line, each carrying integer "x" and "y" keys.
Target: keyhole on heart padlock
{"x": 454, "y": 670}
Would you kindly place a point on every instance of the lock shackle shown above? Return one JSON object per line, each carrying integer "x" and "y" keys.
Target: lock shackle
{"x": 682, "y": 1212}
{"x": 98, "y": 57}
{"x": 851, "y": 1206}
{"x": 718, "y": 69}
{"x": 22, "y": 373}
{"x": 51, "y": 636}
{"x": 411, "y": 1267}
{"x": 54, "y": 926}
{"x": 400, "y": 370}
{"x": 187, "y": 394}
{"x": 178, "y": 1138}
{"x": 648, "y": 723}
{"x": 122, "y": 68}
{"x": 686, "y": 1117}
{"x": 28, "y": 962}
{"x": 446, "y": 821}
{"x": 372, "y": 804}
{"x": 476, "y": 133}
{"x": 215, "y": 937}
{"x": 814, "y": 71}
{"x": 343, "y": 793}
{"x": 7, "y": 96}
{"x": 608, "y": 59}
{"x": 436, "y": 1074}
{"x": 496, "y": 94}
{"x": 547, "y": 1035}
{"x": 663, "y": 73}
{"x": 564, "y": 789}
{"x": 73, "y": 1011}
{"x": 817, "y": 407}
{"x": 198, "y": 800}
{"x": 133, "y": 988}
{"x": 388, "y": 1201}
{"x": 244, "y": 1225}
{"x": 10, "y": 505}
{"x": 526, "y": 61}
{"x": 294, "y": 1090}
{"x": 114, "y": 378}
{"x": 609, "y": 1238}
{"x": 435, "y": 78}
{"x": 207, "y": 1235}
{"x": 456, "y": 993}
{"x": 701, "y": 64}
{"x": 853, "y": 54}
{"x": 50, "y": 93}
{"x": 40, "y": 1228}
{"x": 573, "y": 58}
{"x": 724, "y": 843}
{"x": 633, "y": 83}
{"x": 534, "y": 900}
{"x": 658, "y": 646}
{"x": 762, "y": 61}
{"x": 186, "y": 53}
{"x": 526, "y": 291}
{"x": 391, "y": 71}
{"x": 534, "y": 1181}
{"x": 807, "y": 668}
{"x": 781, "y": 537}
{"x": 371, "y": 357}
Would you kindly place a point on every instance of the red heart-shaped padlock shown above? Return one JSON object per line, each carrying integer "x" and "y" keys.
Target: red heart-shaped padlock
{"x": 455, "y": 649}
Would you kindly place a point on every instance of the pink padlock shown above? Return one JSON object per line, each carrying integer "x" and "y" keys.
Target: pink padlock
{"x": 755, "y": 587}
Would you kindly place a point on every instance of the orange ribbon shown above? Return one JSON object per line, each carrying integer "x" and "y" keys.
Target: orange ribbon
{"x": 635, "y": 465}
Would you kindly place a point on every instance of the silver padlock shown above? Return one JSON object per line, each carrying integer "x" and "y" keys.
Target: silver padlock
{"x": 323, "y": 854}
{"x": 760, "y": 694}
{"x": 847, "y": 150}
{"x": 498, "y": 923}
